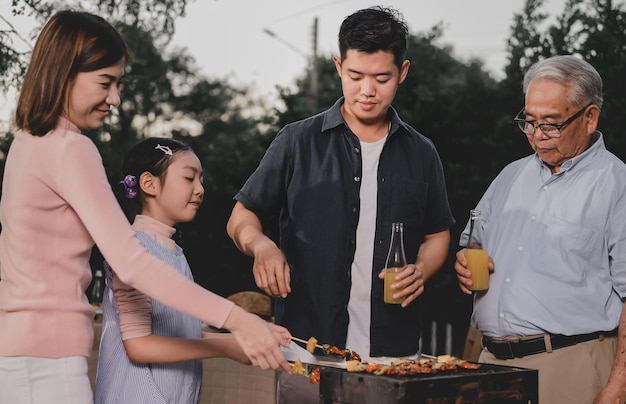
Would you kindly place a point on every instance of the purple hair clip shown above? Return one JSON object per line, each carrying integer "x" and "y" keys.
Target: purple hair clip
{"x": 129, "y": 182}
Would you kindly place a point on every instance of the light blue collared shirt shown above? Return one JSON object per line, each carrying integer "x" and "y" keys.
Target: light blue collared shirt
{"x": 558, "y": 242}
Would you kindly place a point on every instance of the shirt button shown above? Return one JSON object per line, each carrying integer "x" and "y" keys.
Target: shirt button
{"x": 533, "y": 218}
{"x": 501, "y": 315}
{"x": 508, "y": 280}
{"x": 357, "y": 179}
{"x": 520, "y": 248}
{"x": 545, "y": 187}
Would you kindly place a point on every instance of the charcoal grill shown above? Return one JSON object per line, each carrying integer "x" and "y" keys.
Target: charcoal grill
{"x": 488, "y": 384}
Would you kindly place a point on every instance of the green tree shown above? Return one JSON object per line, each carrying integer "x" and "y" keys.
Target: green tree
{"x": 148, "y": 16}
{"x": 297, "y": 102}
{"x": 594, "y": 30}
{"x": 166, "y": 95}
{"x": 141, "y": 23}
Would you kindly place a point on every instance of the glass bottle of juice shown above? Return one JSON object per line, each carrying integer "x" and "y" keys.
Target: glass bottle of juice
{"x": 476, "y": 256}
{"x": 396, "y": 261}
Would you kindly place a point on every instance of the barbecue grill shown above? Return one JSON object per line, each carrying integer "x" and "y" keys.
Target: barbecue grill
{"x": 487, "y": 384}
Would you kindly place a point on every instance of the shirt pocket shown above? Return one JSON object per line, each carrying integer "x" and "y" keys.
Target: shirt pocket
{"x": 408, "y": 201}
{"x": 565, "y": 251}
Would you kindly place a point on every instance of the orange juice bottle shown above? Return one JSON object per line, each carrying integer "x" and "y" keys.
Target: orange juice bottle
{"x": 396, "y": 261}
{"x": 476, "y": 256}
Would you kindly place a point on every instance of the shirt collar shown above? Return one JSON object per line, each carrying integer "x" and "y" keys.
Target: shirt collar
{"x": 588, "y": 155}
{"x": 333, "y": 117}
{"x": 157, "y": 230}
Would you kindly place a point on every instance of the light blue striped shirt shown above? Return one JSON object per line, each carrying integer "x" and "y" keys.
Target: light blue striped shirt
{"x": 118, "y": 379}
{"x": 559, "y": 246}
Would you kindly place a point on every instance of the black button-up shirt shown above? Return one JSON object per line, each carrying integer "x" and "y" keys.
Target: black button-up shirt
{"x": 311, "y": 176}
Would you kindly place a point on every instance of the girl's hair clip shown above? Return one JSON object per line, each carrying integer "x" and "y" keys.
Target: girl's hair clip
{"x": 164, "y": 149}
{"x": 129, "y": 182}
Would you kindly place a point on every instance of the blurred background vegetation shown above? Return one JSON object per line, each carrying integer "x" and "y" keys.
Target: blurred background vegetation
{"x": 458, "y": 104}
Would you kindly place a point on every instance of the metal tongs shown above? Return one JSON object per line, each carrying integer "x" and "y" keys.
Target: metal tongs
{"x": 295, "y": 352}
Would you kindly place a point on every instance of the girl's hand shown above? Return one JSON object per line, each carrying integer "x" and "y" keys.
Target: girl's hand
{"x": 282, "y": 335}
{"x": 258, "y": 340}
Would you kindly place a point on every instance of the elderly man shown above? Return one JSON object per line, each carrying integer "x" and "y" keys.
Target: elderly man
{"x": 555, "y": 228}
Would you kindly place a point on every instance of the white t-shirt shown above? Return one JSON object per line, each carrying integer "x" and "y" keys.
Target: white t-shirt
{"x": 359, "y": 305}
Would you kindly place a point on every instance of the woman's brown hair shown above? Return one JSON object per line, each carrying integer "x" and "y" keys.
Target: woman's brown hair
{"x": 71, "y": 42}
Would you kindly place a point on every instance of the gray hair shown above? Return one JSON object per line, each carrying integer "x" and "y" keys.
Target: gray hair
{"x": 580, "y": 77}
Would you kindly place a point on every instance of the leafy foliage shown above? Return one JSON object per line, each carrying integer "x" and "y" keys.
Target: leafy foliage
{"x": 166, "y": 95}
{"x": 595, "y": 30}
{"x": 153, "y": 16}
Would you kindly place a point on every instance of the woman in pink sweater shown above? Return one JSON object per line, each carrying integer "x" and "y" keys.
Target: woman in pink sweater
{"x": 56, "y": 203}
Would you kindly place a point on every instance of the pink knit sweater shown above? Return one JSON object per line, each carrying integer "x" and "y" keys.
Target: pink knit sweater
{"x": 56, "y": 202}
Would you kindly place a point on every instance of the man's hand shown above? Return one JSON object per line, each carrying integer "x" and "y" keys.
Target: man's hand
{"x": 615, "y": 390}
{"x": 610, "y": 395}
{"x": 463, "y": 274}
{"x": 271, "y": 271}
{"x": 409, "y": 283}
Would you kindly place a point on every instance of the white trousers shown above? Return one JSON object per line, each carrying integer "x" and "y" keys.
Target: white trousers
{"x": 30, "y": 380}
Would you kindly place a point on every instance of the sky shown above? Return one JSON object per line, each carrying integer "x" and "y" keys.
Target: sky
{"x": 229, "y": 42}
{"x": 229, "y": 39}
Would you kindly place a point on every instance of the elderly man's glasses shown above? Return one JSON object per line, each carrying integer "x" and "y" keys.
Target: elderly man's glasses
{"x": 552, "y": 130}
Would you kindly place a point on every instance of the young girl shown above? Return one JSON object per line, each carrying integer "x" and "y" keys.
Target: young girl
{"x": 56, "y": 202}
{"x": 144, "y": 342}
